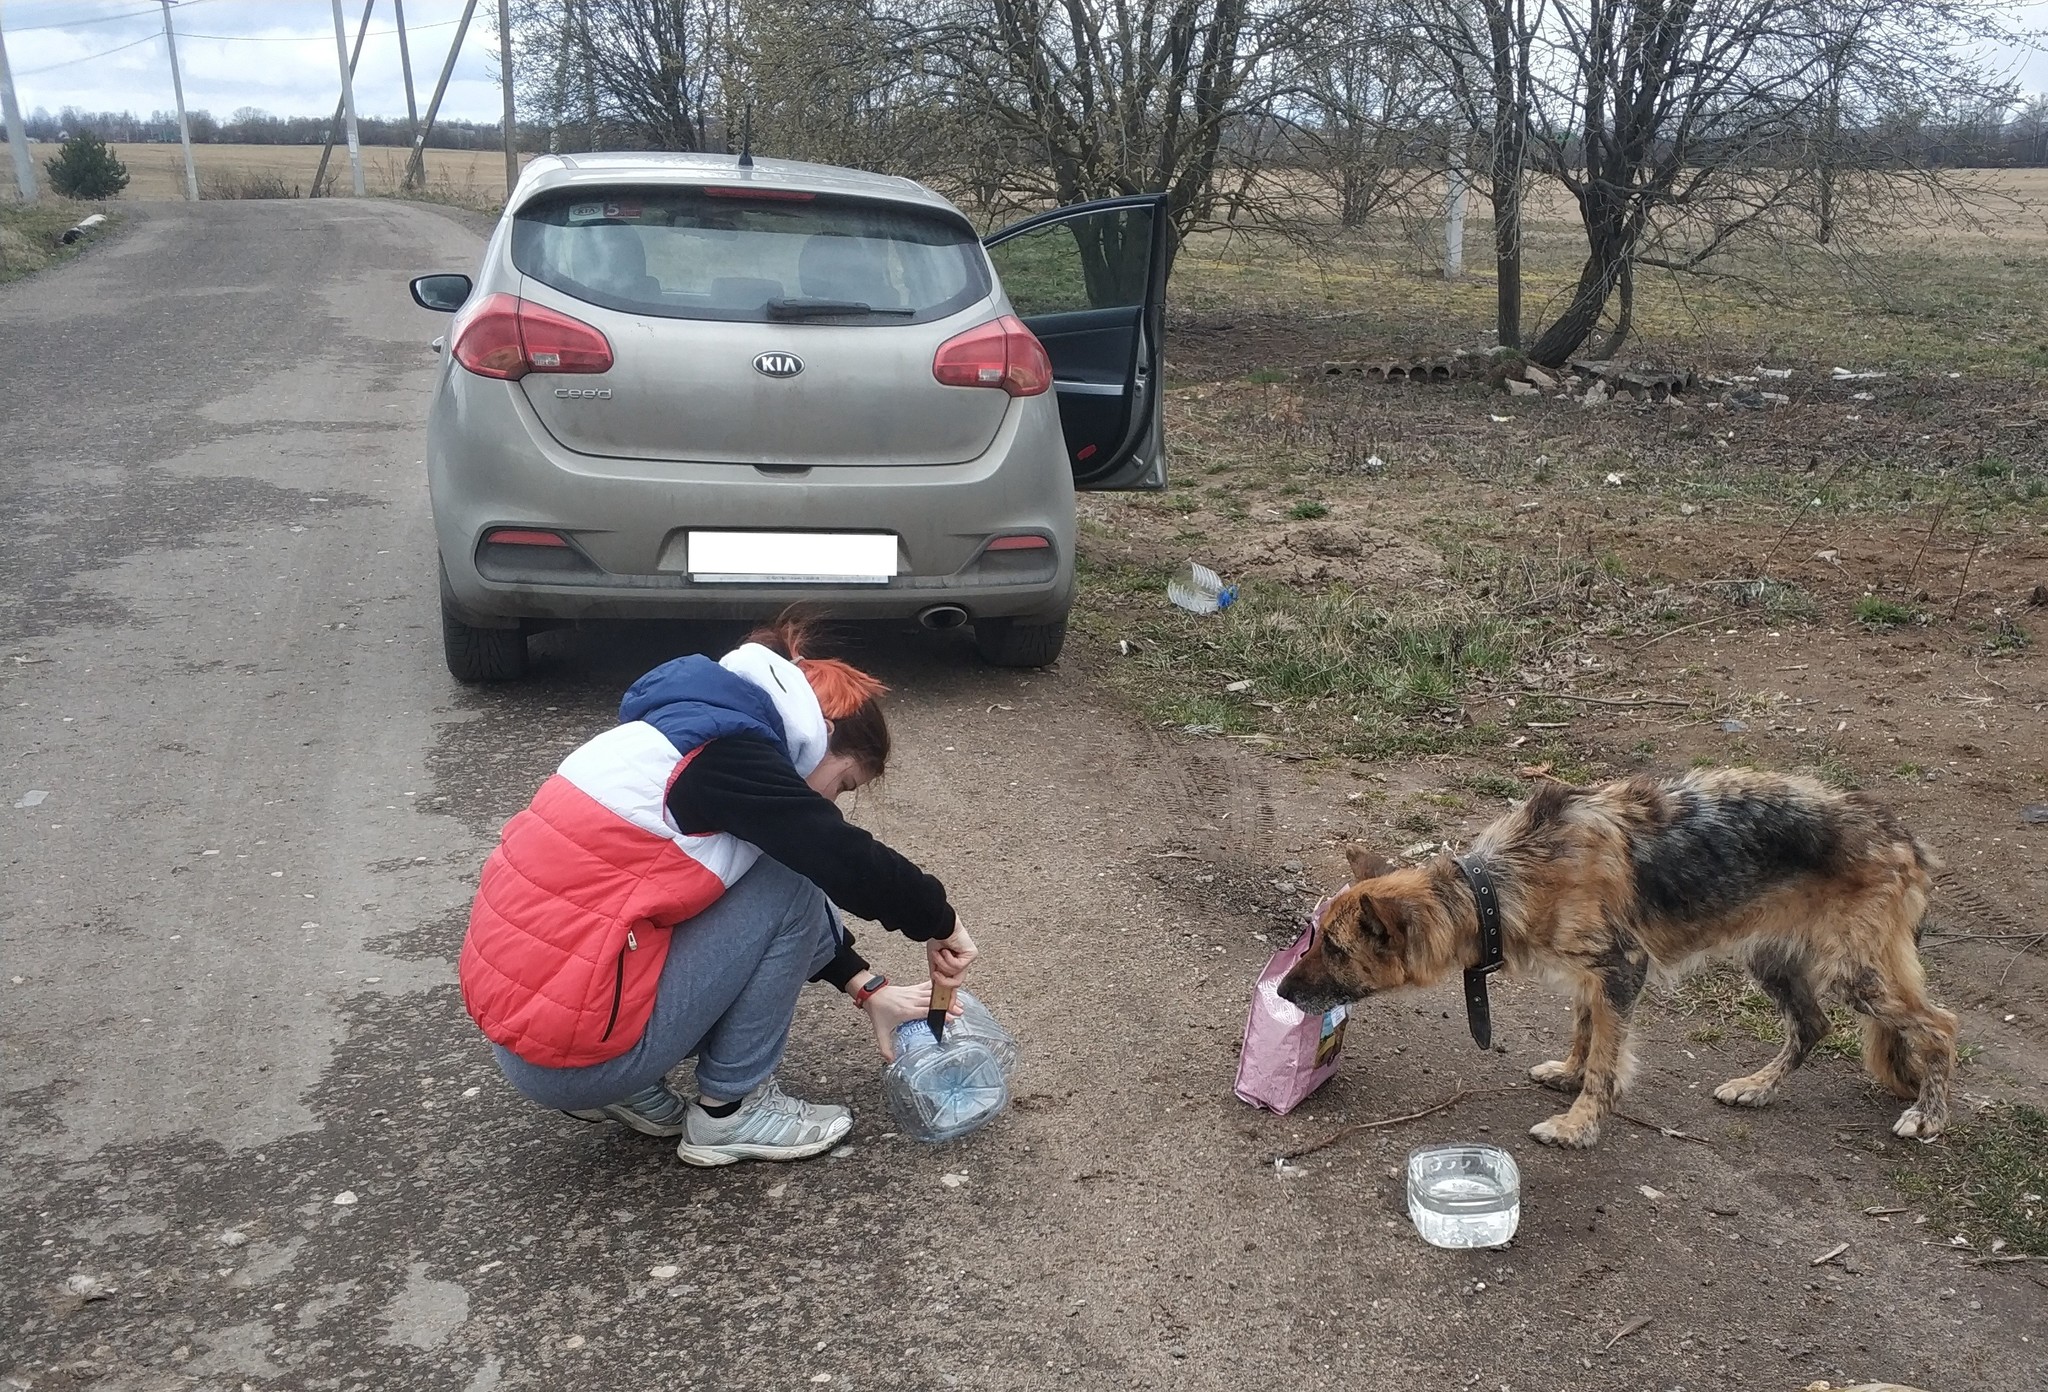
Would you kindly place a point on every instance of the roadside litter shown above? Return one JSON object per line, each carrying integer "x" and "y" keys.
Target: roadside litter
{"x": 1200, "y": 590}
{"x": 942, "y": 1089}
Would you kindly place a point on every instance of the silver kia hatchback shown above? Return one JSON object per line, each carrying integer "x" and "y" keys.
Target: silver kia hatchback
{"x": 701, "y": 387}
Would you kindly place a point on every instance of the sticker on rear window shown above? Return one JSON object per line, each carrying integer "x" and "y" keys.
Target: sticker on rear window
{"x": 597, "y": 212}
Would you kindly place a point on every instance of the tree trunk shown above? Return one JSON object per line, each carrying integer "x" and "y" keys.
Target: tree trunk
{"x": 1606, "y": 263}
{"x": 1510, "y": 140}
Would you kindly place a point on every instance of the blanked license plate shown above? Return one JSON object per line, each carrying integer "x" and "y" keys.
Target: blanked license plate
{"x": 792, "y": 558}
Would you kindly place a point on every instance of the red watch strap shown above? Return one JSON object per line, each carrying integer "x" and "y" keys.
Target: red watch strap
{"x": 866, "y": 990}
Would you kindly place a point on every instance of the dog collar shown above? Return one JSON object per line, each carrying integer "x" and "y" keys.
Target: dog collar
{"x": 1478, "y": 1011}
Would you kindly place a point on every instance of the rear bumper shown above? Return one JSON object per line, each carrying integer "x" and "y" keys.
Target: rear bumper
{"x": 491, "y": 464}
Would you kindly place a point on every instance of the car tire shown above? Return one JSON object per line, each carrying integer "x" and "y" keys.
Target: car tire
{"x": 482, "y": 654}
{"x": 1014, "y": 643}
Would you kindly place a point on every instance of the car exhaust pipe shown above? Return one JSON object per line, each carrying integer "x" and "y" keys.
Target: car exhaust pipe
{"x": 943, "y": 616}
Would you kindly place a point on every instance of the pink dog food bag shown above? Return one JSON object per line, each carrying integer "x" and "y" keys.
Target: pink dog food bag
{"x": 1287, "y": 1052}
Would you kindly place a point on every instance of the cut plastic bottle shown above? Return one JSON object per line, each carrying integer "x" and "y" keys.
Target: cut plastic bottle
{"x": 1200, "y": 590}
{"x": 938, "y": 1091}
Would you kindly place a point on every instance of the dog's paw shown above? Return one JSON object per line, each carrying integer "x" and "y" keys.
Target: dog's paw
{"x": 1557, "y": 1074}
{"x": 1751, "y": 1091}
{"x": 1567, "y": 1131}
{"x": 1916, "y": 1125}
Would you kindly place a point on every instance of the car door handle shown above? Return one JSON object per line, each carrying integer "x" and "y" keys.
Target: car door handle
{"x": 438, "y": 344}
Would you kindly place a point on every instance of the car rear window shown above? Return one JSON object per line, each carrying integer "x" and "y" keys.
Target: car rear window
{"x": 740, "y": 255}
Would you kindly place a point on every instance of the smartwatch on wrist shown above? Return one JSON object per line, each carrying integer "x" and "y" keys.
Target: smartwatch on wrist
{"x": 866, "y": 990}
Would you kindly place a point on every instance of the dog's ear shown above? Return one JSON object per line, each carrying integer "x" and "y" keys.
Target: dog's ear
{"x": 1384, "y": 921}
{"x": 1367, "y": 865}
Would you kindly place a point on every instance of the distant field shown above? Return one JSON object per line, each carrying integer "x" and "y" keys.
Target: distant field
{"x": 475, "y": 177}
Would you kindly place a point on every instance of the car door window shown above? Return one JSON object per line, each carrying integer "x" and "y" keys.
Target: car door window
{"x": 1094, "y": 263}
{"x": 1089, "y": 281}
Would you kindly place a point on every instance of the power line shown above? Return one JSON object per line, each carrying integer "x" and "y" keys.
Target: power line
{"x": 90, "y": 57}
{"x": 96, "y": 19}
{"x": 310, "y": 38}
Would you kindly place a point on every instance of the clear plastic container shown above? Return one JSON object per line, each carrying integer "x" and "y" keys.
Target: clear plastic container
{"x": 1464, "y": 1195}
{"x": 938, "y": 1091}
{"x": 1200, "y": 590}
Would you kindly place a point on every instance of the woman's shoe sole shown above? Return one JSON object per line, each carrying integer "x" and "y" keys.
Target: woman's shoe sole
{"x": 709, "y": 1157}
{"x": 629, "y": 1119}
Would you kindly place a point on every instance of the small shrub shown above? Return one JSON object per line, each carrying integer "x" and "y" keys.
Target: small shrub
{"x": 2007, "y": 639}
{"x": 1873, "y": 612}
{"x": 86, "y": 169}
{"x": 245, "y": 183}
{"x": 1308, "y": 510}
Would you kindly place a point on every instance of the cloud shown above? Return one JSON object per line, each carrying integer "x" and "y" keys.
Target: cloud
{"x": 108, "y": 55}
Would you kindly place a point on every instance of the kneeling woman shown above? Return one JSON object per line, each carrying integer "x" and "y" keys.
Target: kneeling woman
{"x": 671, "y": 888}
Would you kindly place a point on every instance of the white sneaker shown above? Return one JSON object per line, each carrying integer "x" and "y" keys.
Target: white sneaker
{"x": 769, "y": 1125}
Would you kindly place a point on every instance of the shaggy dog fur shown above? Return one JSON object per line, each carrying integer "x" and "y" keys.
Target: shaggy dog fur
{"x": 1819, "y": 893}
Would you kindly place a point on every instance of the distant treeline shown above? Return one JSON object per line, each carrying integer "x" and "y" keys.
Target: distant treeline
{"x": 250, "y": 126}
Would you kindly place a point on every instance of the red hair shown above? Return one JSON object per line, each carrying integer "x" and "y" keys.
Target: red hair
{"x": 849, "y": 697}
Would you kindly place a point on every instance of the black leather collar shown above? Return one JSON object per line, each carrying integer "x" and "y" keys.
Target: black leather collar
{"x": 1478, "y": 1011}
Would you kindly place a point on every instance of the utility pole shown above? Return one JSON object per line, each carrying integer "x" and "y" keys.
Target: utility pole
{"x": 412, "y": 112}
{"x": 178, "y": 89}
{"x": 348, "y": 101}
{"x": 416, "y": 167}
{"x": 334, "y": 126}
{"x": 505, "y": 80}
{"x": 17, "y": 135}
{"x": 1456, "y": 182}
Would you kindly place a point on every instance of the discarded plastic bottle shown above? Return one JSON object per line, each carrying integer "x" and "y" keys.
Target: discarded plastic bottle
{"x": 938, "y": 1091}
{"x": 1200, "y": 590}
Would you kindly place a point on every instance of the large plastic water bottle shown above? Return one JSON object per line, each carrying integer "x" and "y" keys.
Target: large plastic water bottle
{"x": 939, "y": 1090}
{"x": 1200, "y": 590}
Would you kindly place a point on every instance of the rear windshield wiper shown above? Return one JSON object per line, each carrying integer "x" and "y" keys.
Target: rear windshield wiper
{"x": 825, "y": 309}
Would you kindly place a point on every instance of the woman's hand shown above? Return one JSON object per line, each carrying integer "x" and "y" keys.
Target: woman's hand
{"x": 948, "y": 957}
{"x": 893, "y": 1005}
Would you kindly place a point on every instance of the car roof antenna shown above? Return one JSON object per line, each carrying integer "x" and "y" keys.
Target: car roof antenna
{"x": 747, "y": 138}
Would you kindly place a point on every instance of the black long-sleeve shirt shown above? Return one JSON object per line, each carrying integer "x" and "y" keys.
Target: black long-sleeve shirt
{"x": 744, "y": 786}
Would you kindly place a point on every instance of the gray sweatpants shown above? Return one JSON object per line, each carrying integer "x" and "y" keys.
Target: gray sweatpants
{"x": 727, "y": 994}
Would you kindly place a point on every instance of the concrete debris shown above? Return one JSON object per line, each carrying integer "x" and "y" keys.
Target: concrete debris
{"x": 1538, "y": 378}
{"x": 1516, "y": 388}
{"x": 32, "y": 798}
{"x": 88, "y": 1288}
{"x": 1596, "y": 395}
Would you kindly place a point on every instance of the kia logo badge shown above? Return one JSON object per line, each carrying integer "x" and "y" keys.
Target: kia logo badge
{"x": 778, "y": 364}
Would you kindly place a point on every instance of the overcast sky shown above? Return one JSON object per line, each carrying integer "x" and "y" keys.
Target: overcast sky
{"x": 108, "y": 55}
{"x": 276, "y": 54}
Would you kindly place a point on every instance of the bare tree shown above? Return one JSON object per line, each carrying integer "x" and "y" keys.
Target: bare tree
{"x": 1682, "y": 128}
{"x": 1482, "y": 54}
{"x": 1363, "y": 95}
{"x": 1109, "y": 97}
{"x": 648, "y": 73}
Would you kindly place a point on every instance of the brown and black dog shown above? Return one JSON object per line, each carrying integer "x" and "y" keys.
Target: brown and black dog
{"x": 1820, "y": 893}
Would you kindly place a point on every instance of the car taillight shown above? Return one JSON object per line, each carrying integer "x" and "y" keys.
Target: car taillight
{"x": 1001, "y": 353}
{"x": 507, "y": 337}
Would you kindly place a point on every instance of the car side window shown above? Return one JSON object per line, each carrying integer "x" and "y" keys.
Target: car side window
{"x": 1091, "y": 261}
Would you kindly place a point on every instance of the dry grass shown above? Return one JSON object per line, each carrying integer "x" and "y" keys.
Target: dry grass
{"x": 473, "y": 178}
{"x": 1960, "y": 294}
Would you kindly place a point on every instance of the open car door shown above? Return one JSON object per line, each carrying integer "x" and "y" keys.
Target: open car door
{"x": 1090, "y": 281}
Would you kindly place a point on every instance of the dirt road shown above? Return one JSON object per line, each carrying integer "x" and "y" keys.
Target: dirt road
{"x": 242, "y": 1104}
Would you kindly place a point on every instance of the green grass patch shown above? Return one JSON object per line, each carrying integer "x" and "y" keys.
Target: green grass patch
{"x": 1308, "y": 510}
{"x": 1987, "y": 1179}
{"x": 1329, "y": 669}
{"x": 1724, "y": 994}
{"x": 1875, "y": 612}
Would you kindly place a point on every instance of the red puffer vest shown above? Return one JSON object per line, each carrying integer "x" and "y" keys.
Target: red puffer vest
{"x": 570, "y": 926}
